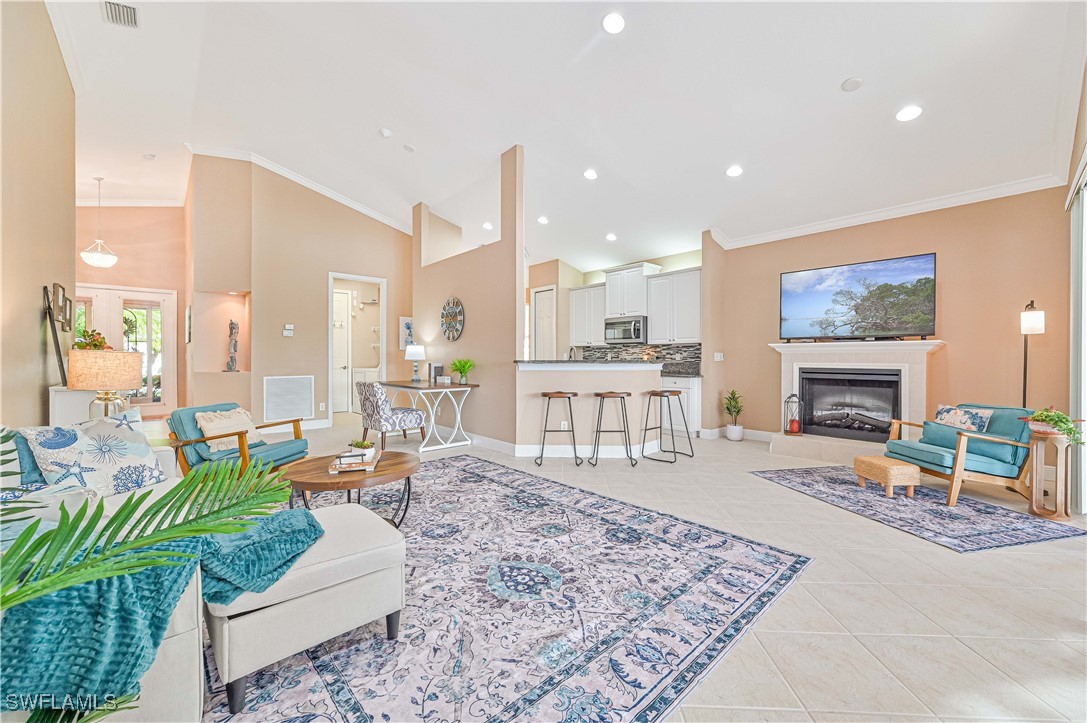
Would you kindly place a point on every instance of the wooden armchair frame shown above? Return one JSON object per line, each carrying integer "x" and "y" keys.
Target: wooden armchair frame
{"x": 960, "y": 474}
{"x": 243, "y": 442}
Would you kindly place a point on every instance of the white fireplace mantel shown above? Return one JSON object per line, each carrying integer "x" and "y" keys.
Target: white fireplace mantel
{"x": 837, "y": 347}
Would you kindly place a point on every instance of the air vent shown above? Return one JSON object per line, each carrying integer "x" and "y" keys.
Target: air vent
{"x": 118, "y": 14}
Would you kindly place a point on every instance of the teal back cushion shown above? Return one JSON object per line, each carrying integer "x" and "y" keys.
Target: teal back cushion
{"x": 1006, "y": 422}
{"x": 941, "y": 435}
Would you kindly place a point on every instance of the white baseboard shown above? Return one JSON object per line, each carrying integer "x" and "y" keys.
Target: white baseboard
{"x": 756, "y": 435}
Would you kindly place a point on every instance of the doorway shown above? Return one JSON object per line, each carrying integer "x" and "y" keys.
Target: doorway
{"x": 358, "y": 318}
{"x": 143, "y": 320}
{"x": 543, "y": 301}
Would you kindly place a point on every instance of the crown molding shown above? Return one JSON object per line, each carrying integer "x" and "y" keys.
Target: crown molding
{"x": 122, "y": 203}
{"x": 301, "y": 180}
{"x": 719, "y": 236}
{"x": 67, "y": 47}
{"x": 1026, "y": 185}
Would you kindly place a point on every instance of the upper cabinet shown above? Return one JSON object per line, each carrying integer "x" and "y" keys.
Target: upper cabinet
{"x": 587, "y": 315}
{"x": 674, "y": 303}
{"x": 626, "y": 291}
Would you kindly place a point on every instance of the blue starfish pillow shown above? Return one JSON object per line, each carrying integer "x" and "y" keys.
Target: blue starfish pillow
{"x": 109, "y": 455}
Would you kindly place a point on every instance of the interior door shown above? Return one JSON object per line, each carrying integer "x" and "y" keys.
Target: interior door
{"x": 543, "y": 325}
{"x": 341, "y": 351}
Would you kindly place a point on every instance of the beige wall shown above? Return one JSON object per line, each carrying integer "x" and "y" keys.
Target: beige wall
{"x": 222, "y": 224}
{"x": 991, "y": 259}
{"x": 490, "y": 282}
{"x": 150, "y": 247}
{"x": 37, "y": 209}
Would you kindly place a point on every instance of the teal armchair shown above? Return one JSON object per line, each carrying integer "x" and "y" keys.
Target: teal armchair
{"x": 996, "y": 456}
{"x": 193, "y": 450}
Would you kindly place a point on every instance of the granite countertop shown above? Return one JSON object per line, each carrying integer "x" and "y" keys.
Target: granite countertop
{"x": 691, "y": 369}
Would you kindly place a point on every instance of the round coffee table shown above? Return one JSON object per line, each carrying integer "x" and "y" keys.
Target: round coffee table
{"x": 311, "y": 475}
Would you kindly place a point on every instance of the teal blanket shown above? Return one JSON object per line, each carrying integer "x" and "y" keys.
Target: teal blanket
{"x": 253, "y": 560}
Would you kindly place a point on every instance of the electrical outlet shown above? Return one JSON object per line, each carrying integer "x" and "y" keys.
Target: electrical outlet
{"x": 718, "y": 356}
{"x": 322, "y": 406}
{"x": 564, "y": 426}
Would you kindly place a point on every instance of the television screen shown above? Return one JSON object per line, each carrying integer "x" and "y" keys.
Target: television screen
{"x": 889, "y": 298}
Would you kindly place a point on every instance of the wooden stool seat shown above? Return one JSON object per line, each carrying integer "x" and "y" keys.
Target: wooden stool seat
{"x": 611, "y": 395}
{"x": 558, "y": 395}
{"x": 888, "y": 472}
{"x": 664, "y": 392}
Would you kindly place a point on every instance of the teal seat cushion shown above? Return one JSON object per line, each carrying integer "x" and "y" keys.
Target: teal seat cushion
{"x": 224, "y": 453}
{"x": 279, "y": 453}
{"x": 1006, "y": 422}
{"x": 941, "y": 435}
{"x": 182, "y": 422}
{"x": 942, "y": 459}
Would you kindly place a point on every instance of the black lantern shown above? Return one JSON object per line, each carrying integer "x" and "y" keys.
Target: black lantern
{"x": 794, "y": 409}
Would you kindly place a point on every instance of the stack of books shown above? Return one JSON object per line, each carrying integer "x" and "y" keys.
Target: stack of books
{"x": 353, "y": 462}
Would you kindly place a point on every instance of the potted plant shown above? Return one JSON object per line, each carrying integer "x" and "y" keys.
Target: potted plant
{"x": 462, "y": 367}
{"x": 367, "y": 448}
{"x": 733, "y": 406}
{"x": 1050, "y": 421}
{"x": 91, "y": 339}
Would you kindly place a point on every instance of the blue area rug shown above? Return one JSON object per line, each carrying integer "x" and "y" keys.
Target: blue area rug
{"x": 968, "y": 527}
{"x": 530, "y": 600}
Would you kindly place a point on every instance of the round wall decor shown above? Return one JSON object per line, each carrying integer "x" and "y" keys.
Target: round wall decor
{"x": 452, "y": 318}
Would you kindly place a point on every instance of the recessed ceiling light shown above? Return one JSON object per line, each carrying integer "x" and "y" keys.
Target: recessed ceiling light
{"x": 733, "y": 171}
{"x": 908, "y": 113}
{"x": 409, "y": 148}
{"x": 149, "y": 156}
{"x": 851, "y": 84}
{"x": 611, "y": 237}
{"x": 385, "y": 133}
{"x": 590, "y": 174}
{"x": 488, "y": 226}
{"x": 613, "y": 23}
{"x": 543, "y": 220}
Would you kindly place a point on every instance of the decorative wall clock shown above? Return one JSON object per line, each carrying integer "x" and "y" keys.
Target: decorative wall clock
{"x": 452, "y": 318}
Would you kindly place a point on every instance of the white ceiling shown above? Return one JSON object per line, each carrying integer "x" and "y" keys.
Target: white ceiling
{"x": 659, "y": 111}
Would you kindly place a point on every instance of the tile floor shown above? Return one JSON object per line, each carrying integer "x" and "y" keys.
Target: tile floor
{"x": 882, "y": 625}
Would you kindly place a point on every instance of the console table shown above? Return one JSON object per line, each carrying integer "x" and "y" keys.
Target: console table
{"x": 1062, "y": 488}
{"x": 431, "y": 396}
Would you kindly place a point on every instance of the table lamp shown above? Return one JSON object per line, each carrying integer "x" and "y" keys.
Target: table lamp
{"x": 1031, "y": 321}
{"x": 105, "y": 372}
{"x": 414, "y": 353}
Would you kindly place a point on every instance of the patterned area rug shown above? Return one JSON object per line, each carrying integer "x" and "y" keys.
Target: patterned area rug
{"x": 530, "y": 600}
{"x": 969, "y": 526}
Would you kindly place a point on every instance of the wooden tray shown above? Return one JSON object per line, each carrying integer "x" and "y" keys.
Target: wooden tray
{"x": 370, "y": 466}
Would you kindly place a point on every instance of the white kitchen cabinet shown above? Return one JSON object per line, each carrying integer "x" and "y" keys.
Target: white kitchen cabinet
{"x": 587, "y": 310}
{"x": 691, "y": 399}
{"x": 674, "y": 307}
{"x": 626, "y": 292}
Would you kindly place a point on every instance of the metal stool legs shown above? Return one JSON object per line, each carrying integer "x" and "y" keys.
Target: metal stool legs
{"x": 573, "y": 437}
{"x": 595, "y": 458}
{"x": 671, "y": 429}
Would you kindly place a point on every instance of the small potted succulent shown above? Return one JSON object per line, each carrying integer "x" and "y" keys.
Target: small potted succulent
{"x": 367, "y": 448}
{"x": 1050, "y": 421}
{"x": 733, "y": 406}
{"x": 462, "y": 367}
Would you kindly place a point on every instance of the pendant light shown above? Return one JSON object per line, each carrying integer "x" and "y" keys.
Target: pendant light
{"x": 98, "y": 254}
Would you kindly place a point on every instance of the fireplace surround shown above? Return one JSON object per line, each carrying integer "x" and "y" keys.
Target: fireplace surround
{"x": 850, "y": 403}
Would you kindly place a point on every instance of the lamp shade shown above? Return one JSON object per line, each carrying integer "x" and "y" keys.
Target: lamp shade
{"x": 414, "y": 352}
{"x": 100, "y": 371}
{"x": 1032, "y": 321}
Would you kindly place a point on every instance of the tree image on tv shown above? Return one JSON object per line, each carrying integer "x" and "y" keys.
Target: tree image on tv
{"x": 881, "y": 309}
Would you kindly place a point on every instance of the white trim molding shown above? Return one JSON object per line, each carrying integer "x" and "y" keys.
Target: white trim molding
{"x": 300, "y": 180}
{"x": 125, "y": 203}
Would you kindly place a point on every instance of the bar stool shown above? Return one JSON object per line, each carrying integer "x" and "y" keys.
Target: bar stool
{"x": 625, "y": 431}
{"x": 662, "y": 396}
{"x": 573, "y": 439}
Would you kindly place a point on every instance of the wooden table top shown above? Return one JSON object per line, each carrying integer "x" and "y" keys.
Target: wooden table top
{"x": 311, "y": 474}
{"x": 426, "y": 386}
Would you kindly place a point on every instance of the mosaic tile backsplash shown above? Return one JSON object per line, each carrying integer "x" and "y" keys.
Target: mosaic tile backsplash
{"x": 664, "y": 352}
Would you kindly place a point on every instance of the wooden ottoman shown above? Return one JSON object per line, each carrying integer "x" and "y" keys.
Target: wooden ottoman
{"x": 888, "y": 472}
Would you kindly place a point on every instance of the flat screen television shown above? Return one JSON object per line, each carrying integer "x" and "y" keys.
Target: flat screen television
{"x": 876, "y": 299}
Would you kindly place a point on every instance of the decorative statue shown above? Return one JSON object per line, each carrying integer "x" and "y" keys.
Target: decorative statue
{"x": 232, "y": 347}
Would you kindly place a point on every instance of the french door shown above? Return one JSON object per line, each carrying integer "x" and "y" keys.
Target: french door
{"x": 143, "y": 320}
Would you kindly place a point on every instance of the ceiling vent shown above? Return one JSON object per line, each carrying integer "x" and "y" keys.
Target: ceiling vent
{"x": 118, "y": 14}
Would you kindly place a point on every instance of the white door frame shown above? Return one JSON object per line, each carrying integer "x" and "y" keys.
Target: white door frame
{"x": 532, "y": 317}
{"x": 169, "y": 331}
{"x": 350, "y": 349}
{"x": 383, "y": 284}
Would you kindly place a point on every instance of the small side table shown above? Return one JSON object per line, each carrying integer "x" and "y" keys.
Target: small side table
{"x": 1063, "y": 484}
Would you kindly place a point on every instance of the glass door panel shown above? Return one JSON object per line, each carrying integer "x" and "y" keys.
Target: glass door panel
{"x": 142, "y": 324}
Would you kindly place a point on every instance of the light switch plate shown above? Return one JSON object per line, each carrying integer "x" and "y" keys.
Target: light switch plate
{"x": 718, "y": 356}
{"x": 288, "y": 332}
{"x": 289, "y": 327}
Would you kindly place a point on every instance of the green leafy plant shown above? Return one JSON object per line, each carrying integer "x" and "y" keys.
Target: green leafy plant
{"x": 360, "y": 444}
{"x": 462, "y": 366}
{"x": 91, "y": 339}
{"x": 732, "y": 404}
{"x": 1060, "y": 422}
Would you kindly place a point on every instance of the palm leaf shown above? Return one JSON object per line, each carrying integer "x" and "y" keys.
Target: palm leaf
{"x": 58, "y": 715}
{"x": 211, "y": 499}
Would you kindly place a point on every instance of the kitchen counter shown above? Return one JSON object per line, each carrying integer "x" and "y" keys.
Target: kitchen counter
{"x": 587, "y": 365}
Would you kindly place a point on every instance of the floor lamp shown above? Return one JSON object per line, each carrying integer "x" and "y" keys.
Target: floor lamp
{"x": 1031, "y": 321}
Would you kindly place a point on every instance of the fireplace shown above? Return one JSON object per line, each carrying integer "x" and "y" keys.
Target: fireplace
{"x": 850, "y": 403}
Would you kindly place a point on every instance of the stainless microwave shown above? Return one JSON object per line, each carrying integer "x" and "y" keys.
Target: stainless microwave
{"x": 625, "y": 330}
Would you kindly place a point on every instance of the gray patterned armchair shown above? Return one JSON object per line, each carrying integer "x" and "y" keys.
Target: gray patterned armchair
{"x": 380, "y": 415}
